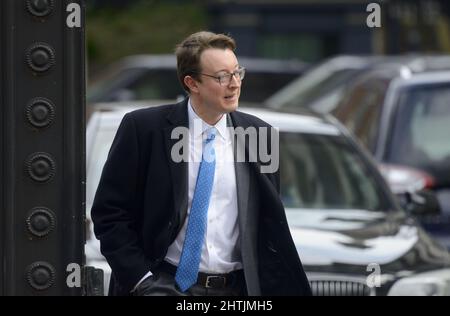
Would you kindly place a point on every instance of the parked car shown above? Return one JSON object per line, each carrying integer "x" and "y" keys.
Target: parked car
{"x": 403, "y": 117}
{"x": 154, "y": 77}
{"x": 341, "y": 213}
{"x": 322, "y": 87}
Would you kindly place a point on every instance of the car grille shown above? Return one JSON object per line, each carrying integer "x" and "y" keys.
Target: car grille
{"x": 339, "y": 286}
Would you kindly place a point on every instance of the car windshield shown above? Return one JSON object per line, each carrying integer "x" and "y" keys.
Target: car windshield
{"x": 313, "y": 86}
{"x": 325, "y": 172}
{"x": 422, "y": 129}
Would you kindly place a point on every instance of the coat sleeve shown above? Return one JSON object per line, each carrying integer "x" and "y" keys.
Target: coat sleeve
{"x": 115, "y": 206}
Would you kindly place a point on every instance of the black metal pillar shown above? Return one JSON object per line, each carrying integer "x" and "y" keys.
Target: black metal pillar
{"x": 42, "y": 173}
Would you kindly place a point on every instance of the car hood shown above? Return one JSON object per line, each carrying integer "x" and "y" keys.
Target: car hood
{"x": 350, "y": 240}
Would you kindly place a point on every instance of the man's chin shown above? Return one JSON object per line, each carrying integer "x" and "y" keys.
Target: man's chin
{"x": 228, "y": 108}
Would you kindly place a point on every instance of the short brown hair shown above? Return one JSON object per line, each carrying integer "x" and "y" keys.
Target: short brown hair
{"x": 188, "y": 52}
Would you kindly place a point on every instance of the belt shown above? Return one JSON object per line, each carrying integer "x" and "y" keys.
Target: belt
{"x": 207, "y": 280}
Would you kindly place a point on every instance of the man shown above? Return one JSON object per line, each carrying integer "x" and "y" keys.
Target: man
{"x": 206, "y": 225}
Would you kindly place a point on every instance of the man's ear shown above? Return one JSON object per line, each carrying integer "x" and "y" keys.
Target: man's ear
{"x": 191, "y": 84}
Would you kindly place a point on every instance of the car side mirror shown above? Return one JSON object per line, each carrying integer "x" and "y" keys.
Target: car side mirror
{"x": 420, "y": 203}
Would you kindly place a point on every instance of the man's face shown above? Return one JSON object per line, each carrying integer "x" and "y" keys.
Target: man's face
{"x": 214, "y": 97}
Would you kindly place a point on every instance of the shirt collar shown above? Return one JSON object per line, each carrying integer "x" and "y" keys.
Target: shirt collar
{"x": 221, "y": 125}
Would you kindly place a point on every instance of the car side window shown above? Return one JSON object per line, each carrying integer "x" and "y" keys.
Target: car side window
{"x": 420, "y": 131}
{"x": 319, "y": 171}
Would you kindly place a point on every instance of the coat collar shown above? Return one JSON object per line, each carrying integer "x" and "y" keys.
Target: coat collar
{"x": 178, "y": 117}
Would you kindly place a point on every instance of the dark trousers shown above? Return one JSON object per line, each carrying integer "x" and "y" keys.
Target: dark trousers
{"x": 162, "y": 283}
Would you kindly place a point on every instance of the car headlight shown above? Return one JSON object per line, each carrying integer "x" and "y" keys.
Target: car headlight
{"x": 435, "y": 283}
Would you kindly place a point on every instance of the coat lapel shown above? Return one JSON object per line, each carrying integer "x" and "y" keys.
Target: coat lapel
{"x": 242, "y": 176}
{"x": 178, "y": 117}
{"x": 247, "y": 209}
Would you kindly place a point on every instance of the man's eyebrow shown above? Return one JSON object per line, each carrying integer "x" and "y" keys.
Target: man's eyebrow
{"x": 226, "y": 70}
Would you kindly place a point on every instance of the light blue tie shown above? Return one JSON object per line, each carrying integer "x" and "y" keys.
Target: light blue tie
{"x": 187, "y": 270}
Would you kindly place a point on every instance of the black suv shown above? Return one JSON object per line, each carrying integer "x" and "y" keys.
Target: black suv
{"x": 403, "y": 117}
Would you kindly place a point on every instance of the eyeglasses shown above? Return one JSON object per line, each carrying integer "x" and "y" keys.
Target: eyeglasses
{"x": 225, "y": 78}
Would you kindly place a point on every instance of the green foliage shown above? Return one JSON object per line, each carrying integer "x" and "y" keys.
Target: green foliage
{"x": 148, "y": 27}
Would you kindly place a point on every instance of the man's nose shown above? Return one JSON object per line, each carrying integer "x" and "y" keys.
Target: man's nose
{"x": 235, "y": 81}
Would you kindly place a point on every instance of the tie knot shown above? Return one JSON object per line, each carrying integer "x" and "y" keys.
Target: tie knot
{"x": 211, "y": 134}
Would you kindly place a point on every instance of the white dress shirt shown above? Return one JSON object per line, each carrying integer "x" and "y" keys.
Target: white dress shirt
{"x": 221, "y": 249}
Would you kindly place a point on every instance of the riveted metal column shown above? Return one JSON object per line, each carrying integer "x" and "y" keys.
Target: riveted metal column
{"x": 2, "y": 152}
{"x": 42, "y": 146}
